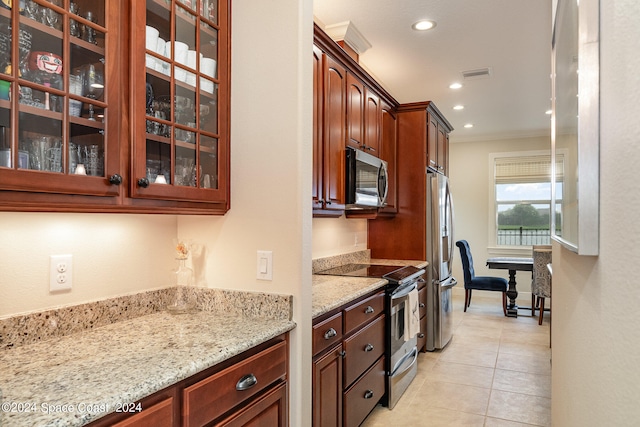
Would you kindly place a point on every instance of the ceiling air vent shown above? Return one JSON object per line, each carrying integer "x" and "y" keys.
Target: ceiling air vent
{"x": 480, "y": 73}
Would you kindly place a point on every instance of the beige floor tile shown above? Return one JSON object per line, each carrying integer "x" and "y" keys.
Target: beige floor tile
{"x": 418, "y": 416}
{"x": 524, "y": 363}
{"x": 520, "y": 407}
{"x": 497, "y": 422}
{"x": 525, "y": 349}
{"x": 480, "y": 322}
{"x": 456, "y": 397}
{"x": 479, "y": 343}
{"x": 468, "y": 355}
{"x": 522, "y": 382}
{"x": 457, "y": 373}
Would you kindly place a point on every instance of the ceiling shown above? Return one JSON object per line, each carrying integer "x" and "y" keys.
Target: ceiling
{"x": 511, "y": 37}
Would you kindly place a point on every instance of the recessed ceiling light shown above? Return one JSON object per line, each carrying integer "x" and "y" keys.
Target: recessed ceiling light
{"x": 468, "y": 125}
{"x": 458, "y": 107}
{"x": 455, "y": 85}
{"x": 423, "y": 25}
{"x": 548, "y": 112}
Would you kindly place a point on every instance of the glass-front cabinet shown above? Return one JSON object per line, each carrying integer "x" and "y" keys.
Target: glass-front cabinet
{"x": 57, "y": 127}
{"x": 114, "y": 105}
{"x": 181, "y": 146}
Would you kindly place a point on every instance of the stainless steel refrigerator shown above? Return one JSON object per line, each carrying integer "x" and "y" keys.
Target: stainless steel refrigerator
{"x": 440, "y": 244}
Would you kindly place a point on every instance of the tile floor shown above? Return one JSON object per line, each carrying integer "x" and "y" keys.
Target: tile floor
{"x": 496, "y": 372}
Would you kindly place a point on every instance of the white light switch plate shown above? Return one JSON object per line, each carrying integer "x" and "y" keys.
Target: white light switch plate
{"x": 264, "y": 265}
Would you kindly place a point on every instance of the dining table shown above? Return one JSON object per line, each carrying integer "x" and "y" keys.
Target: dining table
{"x": 513, "y": 264}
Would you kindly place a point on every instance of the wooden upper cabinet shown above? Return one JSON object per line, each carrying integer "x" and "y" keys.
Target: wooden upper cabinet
{"x": 372, "y": 122}
{"x": 388, "y": 153}
{"x": 318, "y": 152}
{"x": 335, "y": 78}
{"x": 437, "y": 141}
{"x": 355, "y": 112}
{"x": 60, "y": 103}
{"x": 180, "y": 110}
{"x": 103, "y": 99}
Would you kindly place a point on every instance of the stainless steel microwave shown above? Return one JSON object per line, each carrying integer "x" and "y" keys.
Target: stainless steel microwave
{"x": 366, "y": 180}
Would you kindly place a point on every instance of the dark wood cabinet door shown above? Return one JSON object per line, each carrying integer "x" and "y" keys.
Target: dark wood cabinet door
{"x": 270, "y": 410}
{"x": 372, "y": 122}
{"x": 388, "y": 153}
{"x": 335, "y": 83}
{"x": 432, "y": 142}
{"x": 318, "y": 86}
{"x": 180, "y": 103}
{"x": 355, "y": 112}
{"x": 327, "y": 389}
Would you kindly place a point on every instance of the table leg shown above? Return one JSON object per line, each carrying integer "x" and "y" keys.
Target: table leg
{"x": 512, "y": 293}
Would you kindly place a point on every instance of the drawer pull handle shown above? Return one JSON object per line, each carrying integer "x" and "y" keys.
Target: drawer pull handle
{"x": 330, "y": 334}
{"x": 246, "y": 382}
{"x": 368, "y": 394}
{"x": 369, "y": 347}
{"x": 342, "y": 354}
{"x": 369, "y": 310}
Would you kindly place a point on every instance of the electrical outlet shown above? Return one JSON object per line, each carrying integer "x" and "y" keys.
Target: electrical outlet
{"x": 60, "y": 273}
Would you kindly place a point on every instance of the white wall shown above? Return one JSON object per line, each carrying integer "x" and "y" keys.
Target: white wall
{"x": 596, "y": 339}
{"x": 335, "y": 236}
{"x": 112, "y": 255}
{"x": 271, "y": 165}
{"x": 470, "y": 181}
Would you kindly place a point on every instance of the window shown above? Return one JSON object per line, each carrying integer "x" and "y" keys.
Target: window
{"x": 522, "y": 196}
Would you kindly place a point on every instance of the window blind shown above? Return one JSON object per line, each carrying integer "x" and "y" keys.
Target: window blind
{"x": 527, "y": 169}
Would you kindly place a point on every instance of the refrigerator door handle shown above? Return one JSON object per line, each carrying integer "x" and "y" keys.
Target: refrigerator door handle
{"x": 449, "y": 203}
{"x": 448, "y": 284}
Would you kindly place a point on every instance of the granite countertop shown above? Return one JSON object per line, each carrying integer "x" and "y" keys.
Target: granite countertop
{"x": 331, "y": 292}
{"x": 81, "y": 377}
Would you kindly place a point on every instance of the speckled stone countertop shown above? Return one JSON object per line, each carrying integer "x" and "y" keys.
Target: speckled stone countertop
{"x": 80, "y": 377}
{"x": 93, "y": 371}
{"x": 331, "y": 292}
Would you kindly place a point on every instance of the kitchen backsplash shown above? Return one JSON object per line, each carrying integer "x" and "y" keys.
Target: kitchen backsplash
{"x": 338, "y": 260}
{"x": 34, "y": 327}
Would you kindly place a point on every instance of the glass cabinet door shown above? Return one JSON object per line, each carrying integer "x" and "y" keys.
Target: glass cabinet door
{"x": 54, "y": 97}
{"x": 180, "y": 148}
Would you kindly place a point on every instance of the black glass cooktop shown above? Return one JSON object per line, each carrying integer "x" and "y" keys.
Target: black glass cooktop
{"x": 394, "y": 273}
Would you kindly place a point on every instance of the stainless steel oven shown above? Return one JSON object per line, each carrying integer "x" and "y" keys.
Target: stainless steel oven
{"x": 401, "y": 351}
{"x": 403, "y": 326}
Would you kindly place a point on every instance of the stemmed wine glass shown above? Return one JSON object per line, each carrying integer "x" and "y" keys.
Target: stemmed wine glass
{"x": 92, "y": 84}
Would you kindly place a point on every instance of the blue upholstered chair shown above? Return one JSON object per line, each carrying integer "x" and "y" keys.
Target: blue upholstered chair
{"x": 480, "y": 283}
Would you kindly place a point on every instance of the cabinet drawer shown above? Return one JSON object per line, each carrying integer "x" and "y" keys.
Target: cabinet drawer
{"x": 362, "y": 349}
{"x": 363, "y": 312}
{"x": 360, "y": 399}
{"x": 422, "y": 301}
{"x": 158, "y": 415}
{"x": 206, "y": 400}
{"x": 327, "y": 333}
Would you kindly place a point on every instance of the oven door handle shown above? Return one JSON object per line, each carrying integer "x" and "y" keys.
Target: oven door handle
{"x": 404, "y": 291}
{"x": 400, "y": 367}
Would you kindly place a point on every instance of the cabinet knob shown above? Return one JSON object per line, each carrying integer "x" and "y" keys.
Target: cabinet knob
{"x": 342, "y": 354}
{"x": 320, "y": 201}
{"x": 246, "y": 382}
{"x": 328, "y": 202}
{"x": 368, "y": 347}
{"x": 368, "y": 394}
{"x": 330, "y": 334}
{"x": 420, "y": 336}
{"x": 368, "y": 310}
{"x": 422, "y": 305}
{"x": 143, "y": 182}
{"x": 115, "y": 179}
